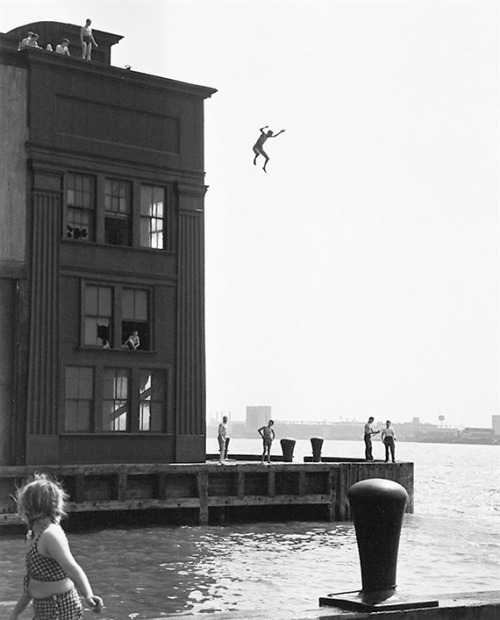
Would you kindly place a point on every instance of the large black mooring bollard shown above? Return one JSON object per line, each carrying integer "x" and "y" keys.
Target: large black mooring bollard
{"x": 316, "y": 444}
{"x": 287, "y": 445}
{"x": 377, "y": 508}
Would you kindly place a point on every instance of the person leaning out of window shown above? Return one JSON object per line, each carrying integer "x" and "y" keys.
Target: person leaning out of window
{"x": 133, "y": 342}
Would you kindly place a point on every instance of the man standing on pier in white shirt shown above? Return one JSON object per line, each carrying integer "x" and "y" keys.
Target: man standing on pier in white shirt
{"x": 222, "y": 438}
{"x": 389, "y": 437}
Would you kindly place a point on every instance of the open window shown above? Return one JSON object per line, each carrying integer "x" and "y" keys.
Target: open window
{"x": 80, "y": 207}
{"x": 98, "y": 316}
{"x": 135, "y": 319}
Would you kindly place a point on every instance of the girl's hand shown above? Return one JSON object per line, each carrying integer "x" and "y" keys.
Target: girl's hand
{"x": 95, "y": 602}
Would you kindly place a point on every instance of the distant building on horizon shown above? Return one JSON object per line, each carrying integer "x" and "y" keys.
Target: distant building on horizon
{"x": 495, "y": 424}
{"x": 257, "y": 416}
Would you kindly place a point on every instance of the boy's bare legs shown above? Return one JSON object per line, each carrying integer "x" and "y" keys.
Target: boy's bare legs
{"x": 257, "y": 153}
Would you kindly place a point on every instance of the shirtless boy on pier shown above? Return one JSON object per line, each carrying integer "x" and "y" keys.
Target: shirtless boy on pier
{"x": 258, "y": 146}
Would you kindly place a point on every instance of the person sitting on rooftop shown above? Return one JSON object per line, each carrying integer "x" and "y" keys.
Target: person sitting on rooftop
{"x": 30, "y": 41}
{"x": 62, "y": 48}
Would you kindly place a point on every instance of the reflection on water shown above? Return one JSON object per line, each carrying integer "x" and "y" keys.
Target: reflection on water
{"x": 145, "y": 573}
{"x": 160, "y": 571}
{"x": 450, "y": 544}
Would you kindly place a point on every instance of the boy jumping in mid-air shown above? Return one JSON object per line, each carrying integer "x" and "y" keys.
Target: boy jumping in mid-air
{"x": 258, "y": 146}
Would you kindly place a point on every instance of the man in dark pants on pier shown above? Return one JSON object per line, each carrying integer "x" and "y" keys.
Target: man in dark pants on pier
{"x": 368, "y": 438}
{"x": 389, "y": 437}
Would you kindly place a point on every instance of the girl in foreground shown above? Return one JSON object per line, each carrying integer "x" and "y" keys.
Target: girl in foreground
{"x": 51, "y": 570}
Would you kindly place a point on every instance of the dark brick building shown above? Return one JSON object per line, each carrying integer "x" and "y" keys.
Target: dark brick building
{"x": 101, "y": 235}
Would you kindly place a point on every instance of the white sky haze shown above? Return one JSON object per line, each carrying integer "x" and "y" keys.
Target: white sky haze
{"x": 360, "y": 275}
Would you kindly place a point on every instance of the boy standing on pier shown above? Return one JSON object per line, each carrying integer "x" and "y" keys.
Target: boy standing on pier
{"x": 267, "y": 433}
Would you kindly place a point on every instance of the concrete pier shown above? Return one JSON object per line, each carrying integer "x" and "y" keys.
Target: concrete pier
{"x": 458, "y": 606}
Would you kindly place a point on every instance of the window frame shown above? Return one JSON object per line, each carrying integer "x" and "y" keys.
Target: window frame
{"x": 128, "y": 399}
{"x": 135, "y": 217}
{"x": 133, "y": 400}
{"x": 91, "y": 236}
{"x": 92, "y": 400}
{"x": 117, "y": 321}
{"x": 149, "y": 218}
{"x": 126, "y": 216}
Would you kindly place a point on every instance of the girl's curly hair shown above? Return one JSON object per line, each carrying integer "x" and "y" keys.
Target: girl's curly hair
{"x": 40, "y": 497}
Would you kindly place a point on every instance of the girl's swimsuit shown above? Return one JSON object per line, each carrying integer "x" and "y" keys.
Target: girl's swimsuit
{"x": 65, "y": 606}
{"x": 40, "y": 567}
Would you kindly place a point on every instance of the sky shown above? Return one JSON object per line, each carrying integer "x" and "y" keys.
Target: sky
{"x": 360, "y": 275}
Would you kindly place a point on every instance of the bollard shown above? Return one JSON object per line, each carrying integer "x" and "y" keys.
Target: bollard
{"x": 287, "y": 445}
{"x": 377, "y": 507}
{"x": 317, "y": 444}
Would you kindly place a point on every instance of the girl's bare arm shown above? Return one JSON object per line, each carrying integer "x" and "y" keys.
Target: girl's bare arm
{"x": 22, "y": 603}
{"x": 57, "y": 547}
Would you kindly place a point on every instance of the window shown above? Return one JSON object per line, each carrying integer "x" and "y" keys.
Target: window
{"x": 98, "y": 316}
{"x": 112, "y": 314}
{"x": 151, "y": 399}
{"x": 115, "y": 403}
{"x": 79, "y": 397}
{"x": 152, "y": 216}
{"x": 80, "y": 207}
{"x": 116, "y": 399}
{"x": 135, "y": 213}
{"x": 135, "y": 316}
{"x": 118, "y": 212}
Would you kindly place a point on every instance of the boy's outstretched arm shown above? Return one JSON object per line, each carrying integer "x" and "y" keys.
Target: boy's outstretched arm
{"x": 277, "y": 134}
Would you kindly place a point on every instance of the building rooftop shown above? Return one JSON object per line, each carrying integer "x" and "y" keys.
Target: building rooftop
{"x": 55, "y": 32}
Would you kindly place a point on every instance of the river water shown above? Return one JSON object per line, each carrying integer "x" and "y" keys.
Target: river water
{"x": 450, "y": 544}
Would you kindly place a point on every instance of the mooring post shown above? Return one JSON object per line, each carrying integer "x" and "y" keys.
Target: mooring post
{"x": 287, "y": 446}
{"x": 377, "y": 508}
{"x": 316, "y": 444}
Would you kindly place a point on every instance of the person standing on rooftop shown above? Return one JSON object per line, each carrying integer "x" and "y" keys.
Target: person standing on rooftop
{"x": 87, "y": 40}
